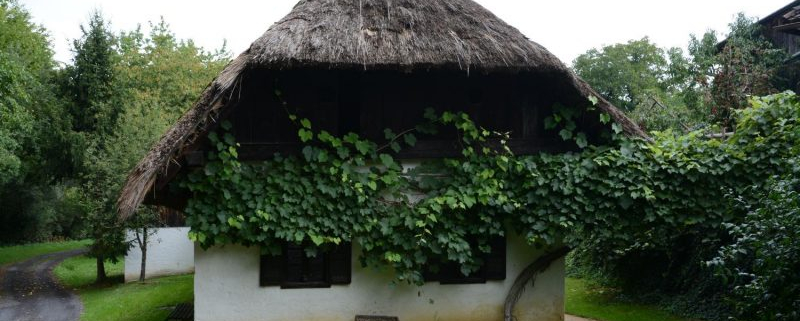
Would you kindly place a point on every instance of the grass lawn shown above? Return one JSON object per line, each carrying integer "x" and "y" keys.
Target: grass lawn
{"x": 590, "y": 301}
{"x": 150, "y": 301}
{"x": 16, "y": 253}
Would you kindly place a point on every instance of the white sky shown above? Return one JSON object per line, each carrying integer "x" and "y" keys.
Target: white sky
{"x": 565, "y": 27}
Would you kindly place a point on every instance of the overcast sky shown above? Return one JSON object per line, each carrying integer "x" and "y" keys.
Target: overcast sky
{"x": 565, "y": 27}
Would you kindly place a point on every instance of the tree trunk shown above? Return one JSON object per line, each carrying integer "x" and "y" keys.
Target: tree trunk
{"x": 101, "y": 270}
{"x": 143, "y": 247}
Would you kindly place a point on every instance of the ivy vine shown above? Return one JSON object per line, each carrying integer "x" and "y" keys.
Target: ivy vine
{"x": 629, "y": 193}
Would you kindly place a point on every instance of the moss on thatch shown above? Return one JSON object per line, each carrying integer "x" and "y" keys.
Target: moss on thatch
{"x": 407, "y": 35}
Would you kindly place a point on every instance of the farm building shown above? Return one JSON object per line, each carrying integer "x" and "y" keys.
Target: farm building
{"x": 782, "y": 28}
{"x": 364, "y": 66}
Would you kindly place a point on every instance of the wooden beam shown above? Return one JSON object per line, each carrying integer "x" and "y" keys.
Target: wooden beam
{"x": 788, "y": 26}
{"x": 423, "y": 149}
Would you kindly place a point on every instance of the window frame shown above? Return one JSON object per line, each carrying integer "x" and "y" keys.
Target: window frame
{"x": 450, "y": 272}
{"x": 274, "y": 269}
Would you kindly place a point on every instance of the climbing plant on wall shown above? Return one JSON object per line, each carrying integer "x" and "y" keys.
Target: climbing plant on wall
{"x": 626, "y": 194}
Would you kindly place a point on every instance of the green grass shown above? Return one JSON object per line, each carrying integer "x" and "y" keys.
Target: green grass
{"x": 149, "y": 301}
{"x": 587, "y": 300}
{"x": 16, "y": 253}
{"x": 80, "y": 271}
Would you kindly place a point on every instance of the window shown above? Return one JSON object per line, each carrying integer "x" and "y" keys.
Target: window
{"x": 293, "y": 268}
{"x": 493, "y": 268}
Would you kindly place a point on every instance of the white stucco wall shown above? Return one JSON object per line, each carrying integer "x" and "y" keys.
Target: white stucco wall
{"x": 169, "y": 252}
{"x": 227, "y": 289}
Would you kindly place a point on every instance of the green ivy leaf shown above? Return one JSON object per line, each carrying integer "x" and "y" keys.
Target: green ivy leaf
{"x": 448, "y": 117}
{"x": 226, "y": 125}
{"x": 322, "y": 156}
{"x": 594, "y": 100}
{"x": 305, "y": 135}
{"x": 229, "y": 139}
{"x": 410, "y": 139}
{"x": 393, "y": 257}
{"x": 565, "y": 134}
{"x": 387, "y": 161}
{"x": 550, "y": 123}
{"x": 430, "y": 114}
{"x": 580, "y": 139}
{"x": 318, "y": 240}
{"x": 616, "y": 128}
{"x": 362, "y": 147}
{"x": 389, "y": 134}
{"x": 308, "y": 153}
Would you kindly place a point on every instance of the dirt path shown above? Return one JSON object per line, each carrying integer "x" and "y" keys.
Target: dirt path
{"x": 575, "y": 318}
{"x": 29, "y": 291}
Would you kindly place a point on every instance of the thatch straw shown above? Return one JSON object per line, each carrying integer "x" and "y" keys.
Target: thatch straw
{"x": 404, "y": 35}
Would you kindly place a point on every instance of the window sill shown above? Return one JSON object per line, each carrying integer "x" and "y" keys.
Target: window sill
{"x": 305, "y": 285}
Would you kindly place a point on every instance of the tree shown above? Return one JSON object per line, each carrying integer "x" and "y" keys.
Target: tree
{"x": 16, "y": 124}
{"x": 94, "y": 108}
{"x": 142, "y": 225}
{"x": 642, "y": 79}
{"x": 35, "y": 137}
{"x": 90, "y": 84}
{"x": 155, "y": 78}
{"x": 626, "y": 74}
{"x": 743, "y": 65}
{"x": 25, "y": 59}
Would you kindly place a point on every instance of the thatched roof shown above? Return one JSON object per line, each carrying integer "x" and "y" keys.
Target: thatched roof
{"x": 404, "y": 35}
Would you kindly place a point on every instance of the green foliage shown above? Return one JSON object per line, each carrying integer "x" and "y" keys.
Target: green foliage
{"x": 20, "y": 38}
{"x": 624, "y": 73}
{"x": 644, "y": 80}
{"x": 89, "y": 86}
{"x": 746, "y": 65}
{"x": 668, "y": 89}
{"x": 631, "y": 195}
{"x": 669, "y": 267}
{"x": 17, "y": 123}
{"x": 35, "y": 136}
{"x": 41, "y": 213}
{"x": 761, "y": 263}
{"x": 151, "y": 80}
{"x": 27, "y": 106}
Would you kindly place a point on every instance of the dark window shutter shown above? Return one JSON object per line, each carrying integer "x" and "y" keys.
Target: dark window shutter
{"x": 495, "y": 262}
{"x": 314, "y": 268}
{"x": 271, "y": 270}
{"x": 451, "y": 274}
{"x": 428, "y": 273}
{"x": 295, "y": 257}
{"x": 340, "y": 264}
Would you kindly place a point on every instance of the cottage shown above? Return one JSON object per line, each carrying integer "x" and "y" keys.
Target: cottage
{"x": 364, "y": 66}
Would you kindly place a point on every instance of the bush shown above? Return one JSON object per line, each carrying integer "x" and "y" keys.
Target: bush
{"x": 762, "y": 263}
{"x": 752, "y": 229}
{"x": 40, "y": 213}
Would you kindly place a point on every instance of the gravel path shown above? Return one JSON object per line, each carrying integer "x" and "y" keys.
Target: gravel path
{"x": 29, "y": 291}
